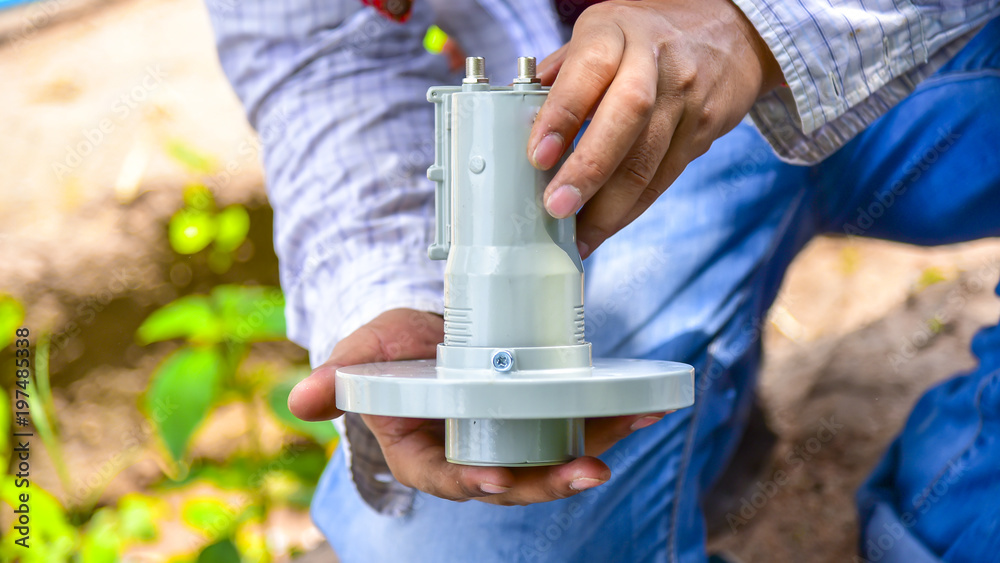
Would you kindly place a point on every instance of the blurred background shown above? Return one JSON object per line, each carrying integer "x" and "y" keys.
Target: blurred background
{"x": 135, "y": 245}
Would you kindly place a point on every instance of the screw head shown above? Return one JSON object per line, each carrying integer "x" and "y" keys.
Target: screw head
{"x": 477, "y": 164}
{"x": 503, "y": 361}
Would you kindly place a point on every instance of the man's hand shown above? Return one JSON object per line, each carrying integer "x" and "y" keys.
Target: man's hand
{"x": 414, "y": 448}
{"x": 663, "y": 79}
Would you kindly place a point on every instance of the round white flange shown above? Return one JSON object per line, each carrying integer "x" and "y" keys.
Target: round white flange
{"x": 613, "y": 387}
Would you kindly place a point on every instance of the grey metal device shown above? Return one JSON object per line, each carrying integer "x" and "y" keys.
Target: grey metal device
{"x": 513, "y": 378}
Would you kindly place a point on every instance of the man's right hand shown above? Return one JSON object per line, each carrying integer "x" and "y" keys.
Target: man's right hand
{"x": 414, "y": 448}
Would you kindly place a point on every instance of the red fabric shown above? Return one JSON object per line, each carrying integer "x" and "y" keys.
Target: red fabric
{"x": 396, "y": 10}
{"x": 399, "y": 10}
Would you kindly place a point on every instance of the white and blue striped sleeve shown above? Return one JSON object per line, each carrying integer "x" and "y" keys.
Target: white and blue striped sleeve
{"x": 337, "y": 94}
{"x": 847, "y": 62}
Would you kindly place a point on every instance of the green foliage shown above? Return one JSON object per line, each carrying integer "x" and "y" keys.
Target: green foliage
{"x": 232, "y": 227}
{"x": 193, "y": 318}
{"x": 198, "y": 224}
{"x": 231, "y": 313}
{"x": 190, "y": 157}
{"x": 220, "y": 552}
{"x": 11, "y": 317}
{"x": 191, "y": 230}
{"x": 101, "y": 542}
{"x": 137, "y": 516}
{"x": 250, "y": 314}
{"x": 210, "y": 516}
{"x": 206, "y": 369}
{"x": 181, "y": 394}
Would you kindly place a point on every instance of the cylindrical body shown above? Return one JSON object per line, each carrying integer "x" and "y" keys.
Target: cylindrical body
{"x": 514, "y": 278}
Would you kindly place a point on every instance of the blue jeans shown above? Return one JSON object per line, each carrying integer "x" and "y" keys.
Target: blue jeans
{"x": 691, "y": 280}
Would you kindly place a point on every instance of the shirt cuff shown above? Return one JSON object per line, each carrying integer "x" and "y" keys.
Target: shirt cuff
{"x": 822, "y": 107}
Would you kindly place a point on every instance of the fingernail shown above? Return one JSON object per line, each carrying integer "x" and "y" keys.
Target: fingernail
{"x": 548, "y": 151}
{"x": 584, "y": 483}
{"x": 584, "y": 248}
{"x": 645, "y": 421}
{"x": 564, "y": 201}
{"x": 491, "y": 489}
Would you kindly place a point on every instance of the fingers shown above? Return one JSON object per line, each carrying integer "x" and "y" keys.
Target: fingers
{"x": 314, "y": 398}
{"x": 543, "y": 484}
{"x": 621, "y": 117}
{"x": 602, "y": 433}
{"x": 691, "y": 139}
{"x": 399, "y": 334}
{"x": 591, "y": 62}
{"x": 414, "y": 451}
{"x": 549, "y": 68}
{"x": 631, "y": 183}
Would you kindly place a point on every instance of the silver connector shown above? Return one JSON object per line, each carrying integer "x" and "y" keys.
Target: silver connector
{"x": 475, "y": 71}
{"x": 526, "y": 71}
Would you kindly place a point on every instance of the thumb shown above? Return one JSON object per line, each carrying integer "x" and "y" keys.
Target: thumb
{"x": 394, "y": 335}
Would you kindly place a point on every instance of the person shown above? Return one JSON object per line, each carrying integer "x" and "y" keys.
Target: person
{"x": 872, "y": 118}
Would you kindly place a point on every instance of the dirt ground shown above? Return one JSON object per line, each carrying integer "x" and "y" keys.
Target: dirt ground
{"x": 856, "y": 333}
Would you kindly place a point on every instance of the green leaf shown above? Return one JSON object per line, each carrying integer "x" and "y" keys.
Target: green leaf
{"x": 232, "y": 226}
{"x": 220, "y": 552}
{"x": 192, "y": 317}
{"x": 191, "y": 230}
{"x": 11, "y": 317}
{"x": 930, "y": 276}
{"x": 250, "y": 314}
{"x": 181, "y": 394}
{"x": 101, "y": 543}
{"x": 190, "y": 157}
{"x": 277, "y": 399}
{"x": 210, "y": 516}
{"x": 219, "y": 262}
{"x": 138, "y": 514}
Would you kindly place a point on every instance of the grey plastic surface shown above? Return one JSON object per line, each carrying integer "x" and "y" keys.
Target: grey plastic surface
{"x": 525, "y": 443}
{"x": 612, "y": 387}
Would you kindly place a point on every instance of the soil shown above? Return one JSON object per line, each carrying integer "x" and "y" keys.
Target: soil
{"x": 84, "y": 247}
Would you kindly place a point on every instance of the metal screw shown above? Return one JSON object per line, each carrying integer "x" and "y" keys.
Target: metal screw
{"x": 526, "y": 71}
{"x": 503, "y": 361}
{"x": 475, "y": 71}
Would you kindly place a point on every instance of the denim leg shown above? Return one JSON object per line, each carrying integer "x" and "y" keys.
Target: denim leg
{"x": 929, "y": 173}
